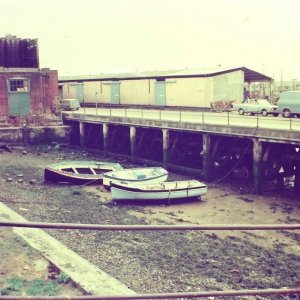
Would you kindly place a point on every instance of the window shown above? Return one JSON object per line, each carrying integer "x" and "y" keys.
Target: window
{"x": 18, "y": 85}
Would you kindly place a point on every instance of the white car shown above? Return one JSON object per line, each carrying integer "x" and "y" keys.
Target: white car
{"x": 253, "y": 106}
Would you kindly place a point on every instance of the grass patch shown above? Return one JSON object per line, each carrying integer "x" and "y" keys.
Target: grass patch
{"x": 37, "y": 287}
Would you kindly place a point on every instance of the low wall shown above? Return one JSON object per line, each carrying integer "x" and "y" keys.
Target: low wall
{"x": 35, "y": 135}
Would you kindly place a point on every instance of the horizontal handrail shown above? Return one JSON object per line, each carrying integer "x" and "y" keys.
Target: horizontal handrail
{"x": 265, "y": 292}
{"x": 295, "y": 291}
{"x": 147, "y": 227}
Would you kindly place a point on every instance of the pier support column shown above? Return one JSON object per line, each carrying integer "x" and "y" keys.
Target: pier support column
{"x": 166, "y": 138}
{"x": 257, "y": 164}
{"x": 297, "y": 178}
{"x": 105, "y": 137}
{"x": 82, "y": 133}
{"x": 207, "y": 157}
{"x": 133, "y": 142}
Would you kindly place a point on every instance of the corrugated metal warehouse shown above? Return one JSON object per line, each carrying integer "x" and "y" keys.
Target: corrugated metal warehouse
{"x": 24, "y": 88}
{"x": 190, "y": 88}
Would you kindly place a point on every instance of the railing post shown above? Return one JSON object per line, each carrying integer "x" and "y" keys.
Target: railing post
{"x": 257, "y": 121}
{"x": 228, "y": 121}
{"x": 125, "y": 113}
{"x": 202, "y": 117}
{"x": 142, "y": 116}
{"x": 110, "y": 112}
{"x": 290, "y": 123}
{"x": 160, "y": 114}
{"x": 180, "y": 116}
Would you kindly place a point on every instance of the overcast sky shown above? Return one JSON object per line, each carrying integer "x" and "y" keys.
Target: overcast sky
{"x": 106, "y": 36}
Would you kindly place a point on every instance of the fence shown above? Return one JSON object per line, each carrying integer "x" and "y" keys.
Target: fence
{"x": 228, "y": 118}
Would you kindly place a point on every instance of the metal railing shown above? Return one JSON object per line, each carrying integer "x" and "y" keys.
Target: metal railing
{"x": 228, "y": 118}
{"x": 262, "y": 292}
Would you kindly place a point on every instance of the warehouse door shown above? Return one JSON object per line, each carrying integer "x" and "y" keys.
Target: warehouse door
{"x": 115, "y": 92}
{"x": 160, "y": 93}
{"x": 79, "y": 92}
{"x": 18, "y": 97}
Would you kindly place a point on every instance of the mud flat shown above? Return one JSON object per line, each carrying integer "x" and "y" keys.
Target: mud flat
{"x": 157, "y": 262}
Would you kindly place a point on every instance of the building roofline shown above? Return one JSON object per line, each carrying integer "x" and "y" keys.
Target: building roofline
{"x": 250, "y": 76}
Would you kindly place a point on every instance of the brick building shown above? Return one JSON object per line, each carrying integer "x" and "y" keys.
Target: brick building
{"x": 25, "y": 89}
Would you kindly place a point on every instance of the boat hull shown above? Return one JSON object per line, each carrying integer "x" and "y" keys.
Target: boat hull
{"x": 129, "y": 193}
{"x": 64, "y": 177}
{"x": 145, "y": 176}
{"x": 79, "y": 172}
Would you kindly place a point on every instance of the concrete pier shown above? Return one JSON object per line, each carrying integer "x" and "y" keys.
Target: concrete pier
{"x": 82, "y": 133}
{"x": 166, "y": 139}
{"x": 207, "y": 159}
{"x": 133, "y": 142}
{"x": 105, "y": 137}
{"x": 257, "y": 164}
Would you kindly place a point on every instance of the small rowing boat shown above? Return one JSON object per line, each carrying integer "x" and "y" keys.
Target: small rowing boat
{"x": 168, "y": 190}
{"x": 136, "y": 176}
{"x": 79, "y": 172}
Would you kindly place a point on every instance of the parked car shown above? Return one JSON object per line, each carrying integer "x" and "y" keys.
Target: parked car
{"x": 256, "y": 106}
{"x": 70, "y": 104}
{"x": 289, "y": 104}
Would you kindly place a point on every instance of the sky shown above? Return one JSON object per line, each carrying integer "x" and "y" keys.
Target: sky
{"x": 86, "y": 37}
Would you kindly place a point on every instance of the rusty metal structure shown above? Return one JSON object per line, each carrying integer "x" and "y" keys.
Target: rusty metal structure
{"x": 18, "y": 53}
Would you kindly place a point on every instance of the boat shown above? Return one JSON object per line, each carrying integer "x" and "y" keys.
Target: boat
{"x": 168, "y": 190}
{"x": 79, "y": 172}
{"x": 136, "y": 176}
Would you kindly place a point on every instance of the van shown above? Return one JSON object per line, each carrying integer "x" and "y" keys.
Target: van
{"x": 70, "y": 104}
{"x": 289, "y": 104}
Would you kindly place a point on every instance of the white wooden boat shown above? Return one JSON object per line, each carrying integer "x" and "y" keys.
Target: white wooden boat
{"x": 168, "y": 190}
{"x": 136, "y": 176}
{"x": 79, "y": 172}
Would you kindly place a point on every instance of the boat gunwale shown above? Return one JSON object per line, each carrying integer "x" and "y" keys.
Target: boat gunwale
{"x": 75, "y": 175}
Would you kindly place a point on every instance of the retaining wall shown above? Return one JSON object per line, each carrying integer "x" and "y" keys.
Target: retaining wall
{"x": 35, "y": 135}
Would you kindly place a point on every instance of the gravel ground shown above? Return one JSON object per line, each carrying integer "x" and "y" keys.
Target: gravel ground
{"x": 153, "y": 262}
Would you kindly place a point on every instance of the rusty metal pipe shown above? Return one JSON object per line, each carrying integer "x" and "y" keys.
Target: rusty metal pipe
{"x": 148, "y": 227}
{"x": 280, "y": 292}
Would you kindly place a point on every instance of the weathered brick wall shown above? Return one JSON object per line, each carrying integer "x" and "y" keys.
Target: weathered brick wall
{"x": 43, "y": 90}
{"x": 51, "y": 90}
{"x": 3, "y": 96}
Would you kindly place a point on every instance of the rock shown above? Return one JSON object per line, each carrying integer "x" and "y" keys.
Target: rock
{"x": 5, "y": 147}
{"x": 76, "y": 193}
{"x": 20, "y": 176}
{"x": 32, "y": 181}
{"x": 9, "y": 179}
{"x": 20, "y": 180}
{"x": 24, "y": 152}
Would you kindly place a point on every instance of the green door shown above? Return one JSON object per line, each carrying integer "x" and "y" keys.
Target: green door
{"x": 160, "y": 93}
{"x": 79, "y": 92}
{"x": 115, "y": 92}
{"x": 18, "y": 103}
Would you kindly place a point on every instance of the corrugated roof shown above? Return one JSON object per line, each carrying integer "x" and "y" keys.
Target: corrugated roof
{"x": 250, "y": 75}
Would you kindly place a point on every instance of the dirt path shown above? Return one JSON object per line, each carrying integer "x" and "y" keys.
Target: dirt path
{"x": 151, "y": 262}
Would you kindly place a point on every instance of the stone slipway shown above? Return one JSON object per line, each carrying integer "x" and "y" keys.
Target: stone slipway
{"x": 85, "y": 274}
